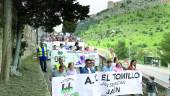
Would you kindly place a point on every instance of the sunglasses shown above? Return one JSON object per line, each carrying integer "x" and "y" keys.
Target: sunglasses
{"x": 89, "y": 63}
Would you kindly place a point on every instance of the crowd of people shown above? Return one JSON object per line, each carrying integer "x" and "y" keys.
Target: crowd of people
{"x": 112, "y": 65}
{"x": 59, "y": 37}
{"x": 61, "y": 70}
{"x": 75, "y": 47}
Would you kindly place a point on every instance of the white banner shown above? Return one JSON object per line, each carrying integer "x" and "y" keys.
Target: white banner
{"x": 98, "y": 84}
{"x": 71, "y": 56}
{"x": 55, "y": 55}
{"x": 63, "y": 86}
{"x": 50, "y": 45}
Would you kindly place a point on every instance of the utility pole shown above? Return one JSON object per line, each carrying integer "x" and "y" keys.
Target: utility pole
{"x": 130, "y": 43}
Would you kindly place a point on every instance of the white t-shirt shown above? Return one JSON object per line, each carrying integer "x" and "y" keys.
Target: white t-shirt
{"x": 113, "y": 64}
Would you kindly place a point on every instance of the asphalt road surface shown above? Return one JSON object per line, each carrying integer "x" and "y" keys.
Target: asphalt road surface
{"x": 158, "y": 72}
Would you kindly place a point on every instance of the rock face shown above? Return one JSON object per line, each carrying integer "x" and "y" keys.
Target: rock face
{"x": 165, "y": 0}
{"x": 112, "y": 4}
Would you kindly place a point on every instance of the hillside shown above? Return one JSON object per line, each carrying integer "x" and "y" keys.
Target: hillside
{"x": 118, "y": 8}
{"x": 144, "y": 28}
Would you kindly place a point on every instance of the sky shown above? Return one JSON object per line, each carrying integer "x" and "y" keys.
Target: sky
{"x": 96, "y": 5}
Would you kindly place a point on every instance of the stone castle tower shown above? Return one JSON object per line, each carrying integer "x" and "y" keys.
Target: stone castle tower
{"x": 112, "y": 4}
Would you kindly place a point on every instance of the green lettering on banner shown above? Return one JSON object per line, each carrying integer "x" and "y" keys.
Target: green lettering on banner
{"x": 66, "y": 87}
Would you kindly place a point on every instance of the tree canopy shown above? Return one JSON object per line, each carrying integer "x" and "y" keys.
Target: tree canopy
{"x": 165, "y": 51}
{"x": 49, "y": 13}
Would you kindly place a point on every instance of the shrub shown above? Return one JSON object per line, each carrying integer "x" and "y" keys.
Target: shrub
{"x": 151, "y": 33}
{"x": 156, "y": 20}
{"x": 142, "y": 45}
{"x": 136, "y": 30}
{"x": 155, "y": 44}
{"x": 165, "y": 45}
{"x": 144, "y": 32}
{"x": 121, "y": 50}
{"x": 140, "y": 19}
{"x": 166, "y": 27}
{"x": 161, "y": 30}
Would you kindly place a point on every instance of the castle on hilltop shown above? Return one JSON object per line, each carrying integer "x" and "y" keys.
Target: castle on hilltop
{"x": 112, "y": 4}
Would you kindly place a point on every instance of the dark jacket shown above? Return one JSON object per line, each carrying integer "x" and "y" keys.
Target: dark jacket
{"x": 84, "y": 70}
{"x": 151, "y": 87}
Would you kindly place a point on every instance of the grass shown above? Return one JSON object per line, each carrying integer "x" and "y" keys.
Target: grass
{"x": 144, "y": 28}
{"x": 32, "y": 83}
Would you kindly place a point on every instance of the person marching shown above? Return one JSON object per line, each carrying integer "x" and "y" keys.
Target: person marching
{"x": 88, "y": 67}
{"x": 42, "y": 54}
{"x": 108, "y": 67}
{"x": 60, "y": 62}
{"x": 132, "y": 65}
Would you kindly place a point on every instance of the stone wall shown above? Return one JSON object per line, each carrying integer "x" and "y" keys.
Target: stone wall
{"x": 30, "y": 38}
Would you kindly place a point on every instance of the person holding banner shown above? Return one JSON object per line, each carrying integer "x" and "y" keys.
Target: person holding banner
{"x": 62, "y": 47}
{"x": 88, "y": 67}
{"x": 132, "y": 65}
{"x": 61, "y": 62}
{"x": 87, "y": 49}
{"x": 118, "y": 67}
{"x": 76, "y": 46}
{"x": 54, "y": 47}
{"x": 66, "y": 46}
{"x": 109, "y": 67}
{"x": 71, "y": 70}
{"x": 115, "y": 61}
{"x": 93, "y": 65}
{"x": 60, "y": 72}
{"x": 42, "y": 54}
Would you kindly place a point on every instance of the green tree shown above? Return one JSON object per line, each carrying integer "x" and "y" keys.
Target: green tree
{"x": 6, "y": 46}
{"x": 165, "y": 49}
{"x": 36, "y": 13}
{"x": 69, "y": 26}
{"x": 121, "y": 49}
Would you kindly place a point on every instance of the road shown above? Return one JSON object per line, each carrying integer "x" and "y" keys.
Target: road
{"x": 159, "y": 73}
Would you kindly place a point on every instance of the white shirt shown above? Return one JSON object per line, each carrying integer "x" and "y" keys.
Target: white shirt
{"x": 71, "y": 72}
{"x": 113, "y": 64}
{"x": 89, "y": 70}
